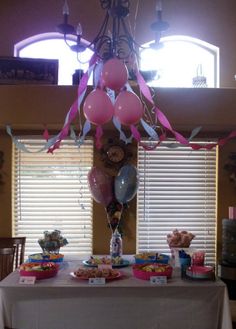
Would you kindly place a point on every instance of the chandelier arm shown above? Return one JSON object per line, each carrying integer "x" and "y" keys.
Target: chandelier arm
{"x": 105, "y": 4}
{"x": 101, "y": 31}
{"x": 67, "y": 43}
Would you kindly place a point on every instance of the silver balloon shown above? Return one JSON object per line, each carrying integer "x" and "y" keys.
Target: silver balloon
{"x": 126, "y": 184}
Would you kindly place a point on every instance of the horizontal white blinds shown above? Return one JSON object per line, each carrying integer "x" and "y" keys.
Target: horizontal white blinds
{"x": 177, "y": 191}
{"x": 51, "y": 192}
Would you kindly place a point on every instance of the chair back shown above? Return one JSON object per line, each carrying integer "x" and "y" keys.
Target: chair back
{"x": 19, "y": 244}
{"x": 6, "y": 261}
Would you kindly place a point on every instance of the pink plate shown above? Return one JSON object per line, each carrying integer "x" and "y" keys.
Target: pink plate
{"x": 39, "y": 274}
{"x": 201, "y": 269}
{"x": 118, "y": 275}
{"x": 140, "y": 273}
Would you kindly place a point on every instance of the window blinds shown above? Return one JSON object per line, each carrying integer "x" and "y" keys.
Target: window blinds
{"x": 51, "y": 192}
{"x": 177, "y": 191}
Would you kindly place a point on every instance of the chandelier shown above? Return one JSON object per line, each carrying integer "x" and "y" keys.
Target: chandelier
{"x": 115, "y": 55}
{"x": 114, "y": 38}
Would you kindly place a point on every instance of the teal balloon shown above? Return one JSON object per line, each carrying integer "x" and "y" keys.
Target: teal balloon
{"x": 126, "y": 184}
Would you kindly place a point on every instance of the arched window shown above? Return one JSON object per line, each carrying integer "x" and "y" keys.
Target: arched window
{"x": 53, "y": 46}
{"x": 182, "y": 61}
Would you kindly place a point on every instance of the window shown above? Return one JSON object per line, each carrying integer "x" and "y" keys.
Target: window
{"x": 53, "y": 46}
{"x": 177, "y": 191}
{"x": 51, "y": 192}
{"x": 179, "y": 60}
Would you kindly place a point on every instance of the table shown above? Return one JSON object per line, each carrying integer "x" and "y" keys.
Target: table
{"x": 63, "y": 302}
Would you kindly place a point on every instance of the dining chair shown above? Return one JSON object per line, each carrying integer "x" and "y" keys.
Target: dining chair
{"x": 6, "y": 261}
{"x": 19, "y": 244}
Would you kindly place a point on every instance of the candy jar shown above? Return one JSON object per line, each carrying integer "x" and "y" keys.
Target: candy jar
{"x": 116, "y": 245}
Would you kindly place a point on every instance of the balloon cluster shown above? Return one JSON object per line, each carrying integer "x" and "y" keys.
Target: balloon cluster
{"x": 98, "y": 107}
{"x": 113, "y": 192}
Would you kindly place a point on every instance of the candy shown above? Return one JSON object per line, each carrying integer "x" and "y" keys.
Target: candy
{"x": 179, "y": 239}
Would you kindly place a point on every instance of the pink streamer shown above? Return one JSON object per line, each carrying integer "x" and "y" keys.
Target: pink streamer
{"x": 75, "y": 106}
{"x": 135, "y": 133}
{"x": 46, "y": 134}
{"x": 98, "y": 135}
{"x": 166, "y": 124}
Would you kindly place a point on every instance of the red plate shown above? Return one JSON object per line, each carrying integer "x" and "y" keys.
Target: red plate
{"x": 39, "y": 274}
{"x": 118, "y": 275}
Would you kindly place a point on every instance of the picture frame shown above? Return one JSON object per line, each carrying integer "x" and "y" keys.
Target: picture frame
{"x": 17, "y": 70}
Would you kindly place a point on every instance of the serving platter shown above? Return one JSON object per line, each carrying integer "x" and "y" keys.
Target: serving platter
{"x": 123, "y": 264}
{"x": 114, "y": 277}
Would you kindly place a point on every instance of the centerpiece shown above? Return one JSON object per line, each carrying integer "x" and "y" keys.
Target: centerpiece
{"x": 52, "y": 242}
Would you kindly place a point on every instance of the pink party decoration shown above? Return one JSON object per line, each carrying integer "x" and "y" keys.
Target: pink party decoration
{"x": 98, "y": 108}
{"x": 128, "y": 108}
{"x": 114, "y": 74}
{"x": 101, "y": 186}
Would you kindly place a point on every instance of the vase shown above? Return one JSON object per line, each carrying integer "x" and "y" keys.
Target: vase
{"x": 116, "y": 245}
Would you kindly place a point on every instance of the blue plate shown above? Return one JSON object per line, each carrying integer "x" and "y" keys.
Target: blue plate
{"x": 123, "y": 264}
{"x": 34, "y": 259}
{"x": 152, "y": 260}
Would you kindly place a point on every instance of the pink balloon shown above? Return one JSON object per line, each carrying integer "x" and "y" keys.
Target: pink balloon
{"x": 128, "y": 108}
{"x": 101, "y": 186}
{"x": 114, "y": 74}
{"x": 98, "y": 108}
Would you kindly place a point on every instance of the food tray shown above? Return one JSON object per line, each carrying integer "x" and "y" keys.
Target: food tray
{"x": 109, "y": 278}
{"x": 152, "y": 259}
{"x": 124, "y": 263}
{"x": 40, "y": 274}
{"x": 41, "y": 258}
{"x": 140, "y": 273}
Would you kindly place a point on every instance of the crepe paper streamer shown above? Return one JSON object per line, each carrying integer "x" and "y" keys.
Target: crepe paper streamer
{"x": 74, "y": 137}
{"x": 98, "y": 135}
{"x": 46, "y": 134}
{"x": 166, "y": 124}
{"x": 151, "y": 132}
{"x": 117, "y": 124}
{"x": 97, "y": 74}
{"x": 135, "y": 133}
{"x": 194, "y": 133}
{"x": 75, "y": 108}
{"x": 21, "y": 146}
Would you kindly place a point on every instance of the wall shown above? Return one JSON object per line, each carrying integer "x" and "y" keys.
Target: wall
{"x": 211, "y": 21}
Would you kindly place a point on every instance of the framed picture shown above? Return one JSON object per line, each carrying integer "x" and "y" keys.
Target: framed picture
{"x": 17, "y": 70}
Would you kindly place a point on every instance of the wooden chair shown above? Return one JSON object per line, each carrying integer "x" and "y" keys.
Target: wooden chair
{"x": 19, "y": 244}
{"x": 6, "y": 261}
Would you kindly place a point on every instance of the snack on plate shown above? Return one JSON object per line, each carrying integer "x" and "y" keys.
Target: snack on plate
{"x": 145, "y": 271}
{"x": 180, "y": 239}
{"x": 39, "y": 270}
{"x": 48, "y": 266}
{"x": 151, "y": 257}
{"x": 96, "y": 273}
{"x": 95, "y": 260}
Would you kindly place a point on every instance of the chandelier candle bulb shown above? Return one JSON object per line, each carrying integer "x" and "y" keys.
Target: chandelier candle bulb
{"x": 65, "y": 10}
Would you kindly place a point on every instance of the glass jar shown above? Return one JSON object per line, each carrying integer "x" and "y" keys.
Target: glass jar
{"x": 116, "y": 245}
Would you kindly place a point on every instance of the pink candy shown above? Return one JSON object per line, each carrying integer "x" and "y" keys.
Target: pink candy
{"x": 180, "y": 239}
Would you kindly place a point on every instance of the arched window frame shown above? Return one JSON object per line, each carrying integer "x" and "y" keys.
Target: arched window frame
{"x": 49, "y": 36}
{"x": 212, "y": 49}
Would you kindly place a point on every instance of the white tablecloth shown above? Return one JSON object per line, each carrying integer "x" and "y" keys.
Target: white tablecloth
{"x": 67, "y": 303}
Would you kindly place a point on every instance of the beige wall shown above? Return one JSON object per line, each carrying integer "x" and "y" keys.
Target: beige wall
{"x": 27, "y": 108}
